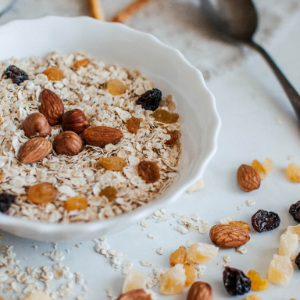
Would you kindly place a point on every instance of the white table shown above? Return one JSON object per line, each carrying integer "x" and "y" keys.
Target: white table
{"x": 257, "y": 122}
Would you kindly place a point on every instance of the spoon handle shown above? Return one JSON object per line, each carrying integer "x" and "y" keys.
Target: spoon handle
{"x": 290, "y": 91}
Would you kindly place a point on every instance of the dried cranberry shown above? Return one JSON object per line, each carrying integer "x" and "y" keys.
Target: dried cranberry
{"x": 295, "y": 211}
{"x": 236, "y": 282}
{"x": 264, "y": 220}
{"x": 150, "y": 100}
{"x": 6, "y": 200}
{"x": 15, "y": 74}
{"x": 297, "y": 260}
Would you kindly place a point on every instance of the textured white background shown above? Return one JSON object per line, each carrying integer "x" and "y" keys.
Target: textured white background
{"x": 257, "y": 122}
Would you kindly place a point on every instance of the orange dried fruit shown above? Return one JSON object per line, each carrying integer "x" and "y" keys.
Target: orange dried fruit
{"x": 293, "y": 172}
{"x": 81, "y": 63}
{"x": 77, "y": 202}
{"x": 240, "y": 224}
{"x": 174, "y": 138}
{"x": 178, "y": 256}
{"x": 190, "y": 273}
{"x": 256, "y": 165}
{"x": 109, "y": 192}
{"x": 257, "y": 283}
{"x": 253, "y": 297}
{"x": 149, "y": 171}
{"x": 268, "y": 165}
{"x": 54, "y": 74}
{"x": 113, "y": 163}
{"x": 42, "y": 193}
{"x": 115, "y": 87}
{"x": 133, "y": 124}
{"x": 163, "y": 116}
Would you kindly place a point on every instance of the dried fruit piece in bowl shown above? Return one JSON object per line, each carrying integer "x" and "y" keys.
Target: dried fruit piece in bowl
{"x": 109, "y": 192}
{"x": 116, "y": 87}
{"x": 264, "y": 220}
{"x": 133, "y": 124}
{"x": 163, "y": 116}
{"x": 6, "y": 200}
{"x": 54, "y": 74}
{"x": 150, "y": 99}
{"x": 113, "y": 163}
{"x": 42, "y": 193}
{"x": 174, "y": 138}
{"x": 77, "y": 202}
{"x": 15, "y": 74}
{"x": 81, "y": 63}
{"x": 280, "y": 270}
{"x": 149, "y": 171}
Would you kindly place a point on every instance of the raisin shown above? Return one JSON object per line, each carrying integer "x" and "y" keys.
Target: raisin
{"x": 112, "y": 163}
{"x": 163, "y": 116}
{"x": 257, "y": 283}
{"x": 235, "y": 281}
{"x": 149, "y": 171}
{"x": 6, "y": 200}
{"x": 264, "y": 220}
{"x": 133, "y": 124}
{"x": 240, "y": 224}
{"x": 295, "y": 211}
{"x": 116, "y": 87}
{"x": 15, "y": 74}
{"x": 174, "y": 138}
{"x": 81, "y": 63}
{"x": 109, "y": 192}
{"x": 77, "y": 202}
{"x": 178, "y": 256}
{"x": 42, "y": 193}
{"x": 297, "y": 260}
{"x": 150, "y": 100}
{"x": 54, "y": 74}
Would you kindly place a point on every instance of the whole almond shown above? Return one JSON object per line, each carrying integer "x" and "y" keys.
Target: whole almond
{"x": 228, "y": 236}
{"x": 36, "y": 124}
{"x": 102, "y": 135}
{"x": 248, "y": 179}
{"x": 200, "y": 290}
{"x": 138, "y": 294}
{"x": 34, "y": 150}
{"x": 51, "y": 107}
{"x": 68, "y": 143}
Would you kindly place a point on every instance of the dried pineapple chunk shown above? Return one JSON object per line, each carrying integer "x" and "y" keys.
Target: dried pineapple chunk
{"x": 200, "y": 253}
{"x": 294, "y": 229}
{"x": 280, "y": 270}
{"x": 134, "y": 280}
{"x": 288, "y": 245}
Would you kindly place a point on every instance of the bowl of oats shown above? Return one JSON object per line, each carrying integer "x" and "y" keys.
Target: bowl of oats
{"x": 99, "y": 125}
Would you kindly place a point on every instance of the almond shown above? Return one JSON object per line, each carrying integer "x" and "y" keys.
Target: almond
{"x": 51, "y": 107}
{"x": 228, "y": 236}
{"x": 248, "y": 179}
{"x": 200, "y": 290}
{"x": 101, "y": 136}
{"x": 138, "y": 294}
{"x": 34, "y": 150}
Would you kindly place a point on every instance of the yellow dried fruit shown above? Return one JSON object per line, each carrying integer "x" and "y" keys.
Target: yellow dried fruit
{"x": 42, "y": 193}
{"x": 268, "y": 165}
{"x": 293, "y": 172}
{"x": 109, "y": 192}
{"x": 200, "y": 253}
{"x": 256, "y": 165}
{"x": 178, "y": 256}
{"x": 288, "y": 245}
{"x": 293, "y": 229}
{"x": 133, "y": 124}
{"x": 116, "y": 87}
{"x": 113, "y": 163}
{"x": 77, "y": 202}
{"x": 163, "y": 116}
{"x": 240, "y": 224}
{"x": 280, "y": 270}
{"x": 190, "y": 274}
{"x": 257, "y": 283}
{"x": 81, "y": 63}
{"x": 253, "y": 297}
{"x": 174, "y": 138}
{"x": 149, "y": 171}
{"x": 54, "y": 74}
{"x": 134, "y": 280}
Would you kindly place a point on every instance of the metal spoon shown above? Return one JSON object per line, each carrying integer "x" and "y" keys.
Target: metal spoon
{"x": 238, "y": 20}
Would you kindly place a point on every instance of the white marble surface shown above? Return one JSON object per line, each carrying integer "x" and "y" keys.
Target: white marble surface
{"x": 258, "y": 122}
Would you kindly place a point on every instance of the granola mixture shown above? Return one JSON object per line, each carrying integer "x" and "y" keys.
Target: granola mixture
{"x": 81, "y": 175}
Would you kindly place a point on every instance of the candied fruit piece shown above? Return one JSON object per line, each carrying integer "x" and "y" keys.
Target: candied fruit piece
{"x": 256, "y": 165}
{"x": 200, "y": 253}
{"x": 115, "y": 87}
{"x": 253, "y": 297}
{"x": 173, "y": 280}
{"x": 240, "y": 224}
{"x": 178, "y": 256}
{"x": 190, "y": 274}
{"x": 163, "y": 116}
{"x": 109, "y": 192}
{"x": 293, "y": 229}
{"x": 280, "y": 270}
{"x": 42, "y": 193}
{"x": 235, "y": 281}
{"x": 133, "y": 124}
{"x": 6, "y": 200}
{"x": 288, "y": 245}
{"x": 15, "y": 74}
{"x": 264, "y": 220}
{"x": 268, "y": 165}
{"x": 54, "y": 74}
{"x": 150, "y": 99}
{"x": 257, "y": 283}
{"x": 295, "y": 211}
{"x": 149, "y": 171}
{"x": 113, "y": 163}
{"x": 174, "y": 138}
{"x": 77, "y": 202}
{"x": 81, "y": 63}
{"x": 293, "y": 172}
{"x": 297, "y": 260}
{"x": 134, "y": 280}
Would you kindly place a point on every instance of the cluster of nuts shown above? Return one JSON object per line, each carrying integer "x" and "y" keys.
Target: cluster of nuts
{"x": 37, "y": 126}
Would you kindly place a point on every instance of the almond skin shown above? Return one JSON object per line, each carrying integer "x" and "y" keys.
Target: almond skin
{"x": 200, "y": 290}
{"x": 36, "y": 124}
{"x": 138, "y": 294}
{"x": 51, "y": 107}
{"x": 68, "y": 143}
{"x": 228, "y": 236}
{"x": 74, "y": 120}
{"x": 248, "y": 179}
{"x": 34, "y": 150}
{"x": 102, "y": 135}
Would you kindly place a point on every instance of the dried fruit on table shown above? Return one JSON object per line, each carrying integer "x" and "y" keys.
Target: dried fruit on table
{"x": 236, "y": 282}
{"x": 295, "y": 211}
{"x": 297, "y": 260}
{"x": 115, "y": 87}
{"x": 253, "y": 297}
{"x": 36, "y": 124}
{"x": 200, "y": 291}
{"x": 257, "y": 283}
{"x": 133, "y": 124}
{"x": 54, "y": 74}
{"x": 74, "y": 120}
{"x": 174, "y": 138}
{"x": 37, "y": 295}
{"x": 264, "y": 220}
{"x": 190, "y": 274}
{"x": 256, "y": 165}
{"x": 267, "y": 165}
{"x": 42, "y": 193}
{"x": 241, "y": 224}
{"x": 293, "y": 172}
{"x": 294, "y": 229}
{"x": 68, "y": 143}
{"x": 113, "y": 163}
{"x": 163, "y": 116}
{"x": 288, "y": 245}
{"x": 134, "y": 280}
{"x": 200, "y": 253}
{"x": 109, "y": 192}
{"x": 138, "y": 294}
{"x": 81, "y": 63}
{"x": 77, "y": 202}
{"x": 149, "y": 171}
{"x": 248, "y": 179}
{"x": 280, "y": 270}
{"x": 178, "y": 256}
{"x": 15, "y": 74}
{"x": 173, "y": 280}
{"x": 6, "y": 200}
{"x": 150, "y": 99}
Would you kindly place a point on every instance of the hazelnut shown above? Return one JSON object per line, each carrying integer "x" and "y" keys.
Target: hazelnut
{"x": 68, "y": 143}
{"x": 74, "y": 120}
{"x": 36, "y": 124}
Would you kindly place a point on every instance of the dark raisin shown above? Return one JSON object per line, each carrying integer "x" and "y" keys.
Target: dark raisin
{"x": 264, "y": 220}
{"x": 15, "y": 74}
{"x": 236, "y": 282}
{"x": 297, "y": 260}
{"x": 150, "y": 100}
{"x": 6, "y": 200}
{"x": 295, "y": 211}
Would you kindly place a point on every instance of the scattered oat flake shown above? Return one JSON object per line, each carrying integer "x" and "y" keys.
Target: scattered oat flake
{"x": 250, "y": 202}
{"x": 241, "y": 249}
{"x": 160, "y": 251}
{"x": 145, "y": 263}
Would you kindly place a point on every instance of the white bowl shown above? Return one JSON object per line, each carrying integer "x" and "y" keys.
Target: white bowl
{"x": 166, "y": 67}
